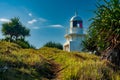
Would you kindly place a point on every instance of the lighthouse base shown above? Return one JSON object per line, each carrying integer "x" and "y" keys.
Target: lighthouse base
{"x": 73, "y": 46}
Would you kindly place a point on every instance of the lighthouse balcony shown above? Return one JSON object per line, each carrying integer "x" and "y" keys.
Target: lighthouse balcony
{"x": 69, "y": 35}
{"x": 76, "y": 30}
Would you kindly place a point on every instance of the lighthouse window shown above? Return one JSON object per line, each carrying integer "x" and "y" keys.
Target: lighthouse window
{"x": 74, "y": 23}
{"x": 80, "y": 25}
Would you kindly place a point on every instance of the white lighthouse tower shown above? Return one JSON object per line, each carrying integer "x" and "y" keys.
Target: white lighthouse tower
{"x": 74, "y": 35}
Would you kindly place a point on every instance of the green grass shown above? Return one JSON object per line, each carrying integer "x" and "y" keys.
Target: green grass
{"x": 50, "y": 63}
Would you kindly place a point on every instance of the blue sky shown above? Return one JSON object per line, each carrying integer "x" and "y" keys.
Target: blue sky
{"x": 47, "y": 19}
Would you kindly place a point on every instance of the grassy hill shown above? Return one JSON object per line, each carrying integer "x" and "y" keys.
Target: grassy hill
{"x": 50, "y": 63}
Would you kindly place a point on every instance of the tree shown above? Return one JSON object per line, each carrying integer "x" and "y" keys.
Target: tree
{"x": 53, "y": 45}
{"x": 14, "y": 29}
{"x": 104, "y": 31}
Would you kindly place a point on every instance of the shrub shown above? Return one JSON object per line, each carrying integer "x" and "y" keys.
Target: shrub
{"x": 23, "y": 43}
{"x": 53, "y": 45}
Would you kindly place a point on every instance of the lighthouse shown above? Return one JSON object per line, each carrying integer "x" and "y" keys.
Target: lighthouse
{"x": 74, "y": 35}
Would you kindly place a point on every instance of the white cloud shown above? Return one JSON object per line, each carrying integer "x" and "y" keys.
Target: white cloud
{"x": 42, "y": 20}
{"x": 56, "y": 26}
{"x": 32, "y": 21}
{"x": 35, "y": 27}
{"x": 4, "y": 20}
{"x": 30, "y": 14}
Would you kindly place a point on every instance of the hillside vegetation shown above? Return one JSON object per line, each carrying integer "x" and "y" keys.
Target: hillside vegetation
{"x": 50, "y": 63}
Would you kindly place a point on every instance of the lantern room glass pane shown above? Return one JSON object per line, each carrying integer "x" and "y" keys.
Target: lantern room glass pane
{"x": 74, "y": 23}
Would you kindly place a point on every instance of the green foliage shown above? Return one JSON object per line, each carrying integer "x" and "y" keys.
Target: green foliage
{"x": 53, "y": 45}
{"x": 24, "y": 44}
{"x": 14, "y": 30}
{"x": 45, "y": 64}
{"x": 104, "y": 30}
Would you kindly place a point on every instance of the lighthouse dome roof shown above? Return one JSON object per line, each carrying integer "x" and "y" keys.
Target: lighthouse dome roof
{"x": 76, "y": 18}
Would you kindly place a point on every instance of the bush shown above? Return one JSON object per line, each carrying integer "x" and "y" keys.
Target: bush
{"x": 23, "y": 43}
{"x": 53, "y": 45}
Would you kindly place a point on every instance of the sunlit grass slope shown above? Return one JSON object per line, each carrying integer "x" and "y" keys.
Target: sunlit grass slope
{"x": 50, "y": 63}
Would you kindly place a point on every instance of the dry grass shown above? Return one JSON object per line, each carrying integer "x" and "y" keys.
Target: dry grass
{"x": 51, "y": 63}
